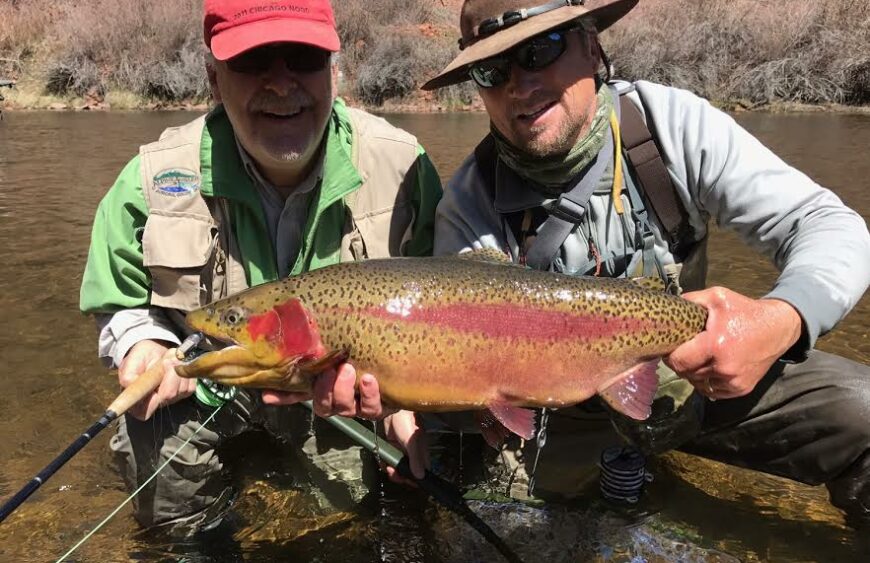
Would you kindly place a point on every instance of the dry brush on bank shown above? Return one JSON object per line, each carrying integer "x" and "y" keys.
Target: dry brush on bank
{"x": 88, "y": 47}
{"x": 756, "y": 51}
{"x": 390, "y": 47}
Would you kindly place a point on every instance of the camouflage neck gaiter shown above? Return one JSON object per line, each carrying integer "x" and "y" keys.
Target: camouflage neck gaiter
{"x": 551, "y": 174}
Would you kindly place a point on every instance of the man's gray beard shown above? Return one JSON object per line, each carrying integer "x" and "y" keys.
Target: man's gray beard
{"x": 288, "y": 156}
{"x": 293, "y": 156}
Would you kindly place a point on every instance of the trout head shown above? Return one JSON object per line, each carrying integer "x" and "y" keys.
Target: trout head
{"x": 274, "y": 342}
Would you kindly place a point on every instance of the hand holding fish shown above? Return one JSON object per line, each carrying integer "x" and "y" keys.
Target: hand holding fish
{"x": 742, "y": 339}
{"x": 335, "y": 393}
{"x": 171, "y": 390}
{"x": 403, "y": 431}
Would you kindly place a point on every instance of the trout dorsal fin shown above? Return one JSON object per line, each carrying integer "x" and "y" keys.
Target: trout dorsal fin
{"x": 654, "y": 284}
{"x": 486, "y": 255}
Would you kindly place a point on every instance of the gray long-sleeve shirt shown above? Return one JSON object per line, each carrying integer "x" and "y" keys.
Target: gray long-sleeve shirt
{"x": 720, "y": 171}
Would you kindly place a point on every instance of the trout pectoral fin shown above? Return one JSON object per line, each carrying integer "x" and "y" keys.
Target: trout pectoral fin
{"x": 328, "y": 361}
{"x": 633, "y": 391}
{"x": 500, "y": 419}
{"x": 493, "y": 431}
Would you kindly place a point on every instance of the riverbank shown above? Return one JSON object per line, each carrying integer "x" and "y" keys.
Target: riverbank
{"x": 26, "y": 97}
{"x": 125, "y": 54}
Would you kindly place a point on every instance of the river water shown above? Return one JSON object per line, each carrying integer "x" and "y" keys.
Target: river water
{"x": 54, "y": 167}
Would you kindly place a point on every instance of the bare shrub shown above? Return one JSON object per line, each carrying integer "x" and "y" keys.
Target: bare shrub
{"x": 390, "y": 70}
{"x": 178, "y": 78}
{"x": 23, "y": 28}
{"x": 760, "y": 51}
{"x": 356, "y": 31}
{"x": 78, "y": 75}
{"x": 385, "y": 50}
{"x": 150, "y": 48}
{"x": 754, "y": 50}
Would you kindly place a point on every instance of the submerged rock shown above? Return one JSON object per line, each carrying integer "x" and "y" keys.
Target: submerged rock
{"x": 559, "y": 534}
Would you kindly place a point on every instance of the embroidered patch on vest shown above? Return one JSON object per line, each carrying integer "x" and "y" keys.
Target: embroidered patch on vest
{"x": 176, "y": 182}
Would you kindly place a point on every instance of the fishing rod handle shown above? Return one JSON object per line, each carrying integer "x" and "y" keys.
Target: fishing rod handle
{"x": 141, "y": 386}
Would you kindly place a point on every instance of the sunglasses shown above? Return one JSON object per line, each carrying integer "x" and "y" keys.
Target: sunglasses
{"x": 297, "y": 57}
{"x": 536, "y": 54}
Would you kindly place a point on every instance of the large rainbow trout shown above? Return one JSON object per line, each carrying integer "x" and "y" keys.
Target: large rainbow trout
{"x": 451, "y": 334}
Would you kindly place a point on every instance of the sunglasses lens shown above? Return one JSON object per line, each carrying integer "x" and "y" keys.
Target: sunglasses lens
{"x": 541, "y": 51}
{"x": 296, "y": 57}
{"x": 491, "y": 73}
{"x": 307, "y": 58}
{"x": 535, "y": 54}
{"x": 254, "y": 61}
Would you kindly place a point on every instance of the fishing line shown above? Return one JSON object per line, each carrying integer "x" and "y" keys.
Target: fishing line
{"x": 137, "y": 491}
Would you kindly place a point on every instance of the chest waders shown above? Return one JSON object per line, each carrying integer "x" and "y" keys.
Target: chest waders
{"x": 649, "y": 208}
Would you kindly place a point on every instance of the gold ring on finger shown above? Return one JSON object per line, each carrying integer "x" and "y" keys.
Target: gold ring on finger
{"x": 710, "y": 390}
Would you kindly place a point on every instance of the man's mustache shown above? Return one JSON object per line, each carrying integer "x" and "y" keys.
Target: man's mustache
{"x": 530, "y": 106}
{"x": 269, "y": 102}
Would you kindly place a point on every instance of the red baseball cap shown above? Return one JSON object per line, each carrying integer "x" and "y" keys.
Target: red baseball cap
{"x": 231, "y": 27}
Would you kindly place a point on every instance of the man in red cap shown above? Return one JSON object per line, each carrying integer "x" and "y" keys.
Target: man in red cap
{"x": 280, "y": 178}
{"x": 551, "y": 186}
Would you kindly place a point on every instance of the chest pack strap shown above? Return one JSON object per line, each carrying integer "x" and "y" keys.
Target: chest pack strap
{"x": 646, "y": 160}
{"x": 642, "y": 156}
{"x": 568, "y": 211}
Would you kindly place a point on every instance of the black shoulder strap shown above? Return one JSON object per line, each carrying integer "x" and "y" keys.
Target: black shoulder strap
{"x": 487, "y": 161}
{"x": 643, "y": 156}
{"x": 485, "y": 155}
{"x": 645, "y": 159}
{"x": 566, "y": 211}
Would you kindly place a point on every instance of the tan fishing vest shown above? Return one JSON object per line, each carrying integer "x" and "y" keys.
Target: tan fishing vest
{"x": 193, "y": 260}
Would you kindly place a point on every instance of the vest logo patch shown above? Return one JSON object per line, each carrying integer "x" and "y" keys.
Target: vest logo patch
{"x": 176, "y": 182}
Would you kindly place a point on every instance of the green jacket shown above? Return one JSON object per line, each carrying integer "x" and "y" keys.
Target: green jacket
{"x": 115, "y": 277}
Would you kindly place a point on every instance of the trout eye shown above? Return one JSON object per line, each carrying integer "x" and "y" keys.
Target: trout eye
{"x": 233, "y": 316}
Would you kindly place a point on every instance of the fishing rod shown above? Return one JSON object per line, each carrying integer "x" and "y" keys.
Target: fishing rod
{"x": 439, "y": 489}
{"x": 137, "y": 390}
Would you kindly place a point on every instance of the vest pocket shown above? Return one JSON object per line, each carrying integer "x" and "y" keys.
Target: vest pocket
{"x": 380, "y": 234}
{"x": 177, "y": 248}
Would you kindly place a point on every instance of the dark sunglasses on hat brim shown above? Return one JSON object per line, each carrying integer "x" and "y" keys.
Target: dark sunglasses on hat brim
{"x": 534, "y": 54}
{"x": 297, "y": 57}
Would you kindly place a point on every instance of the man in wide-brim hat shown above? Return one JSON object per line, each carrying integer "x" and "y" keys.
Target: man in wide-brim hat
{"x": 551, "y": 185}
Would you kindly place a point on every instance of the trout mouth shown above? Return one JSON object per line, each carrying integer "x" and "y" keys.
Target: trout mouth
{"x": 227, "y": 364}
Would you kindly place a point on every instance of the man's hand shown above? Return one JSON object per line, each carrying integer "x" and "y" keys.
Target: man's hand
{"x": 403, "y": 431}
{"x": 742, "y": 339}
{"x": 335, "y": 393}
{"x": 172, "y": 388}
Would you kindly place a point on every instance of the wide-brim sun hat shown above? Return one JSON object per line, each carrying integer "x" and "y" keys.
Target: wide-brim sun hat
{"x": 491, "y": 27}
